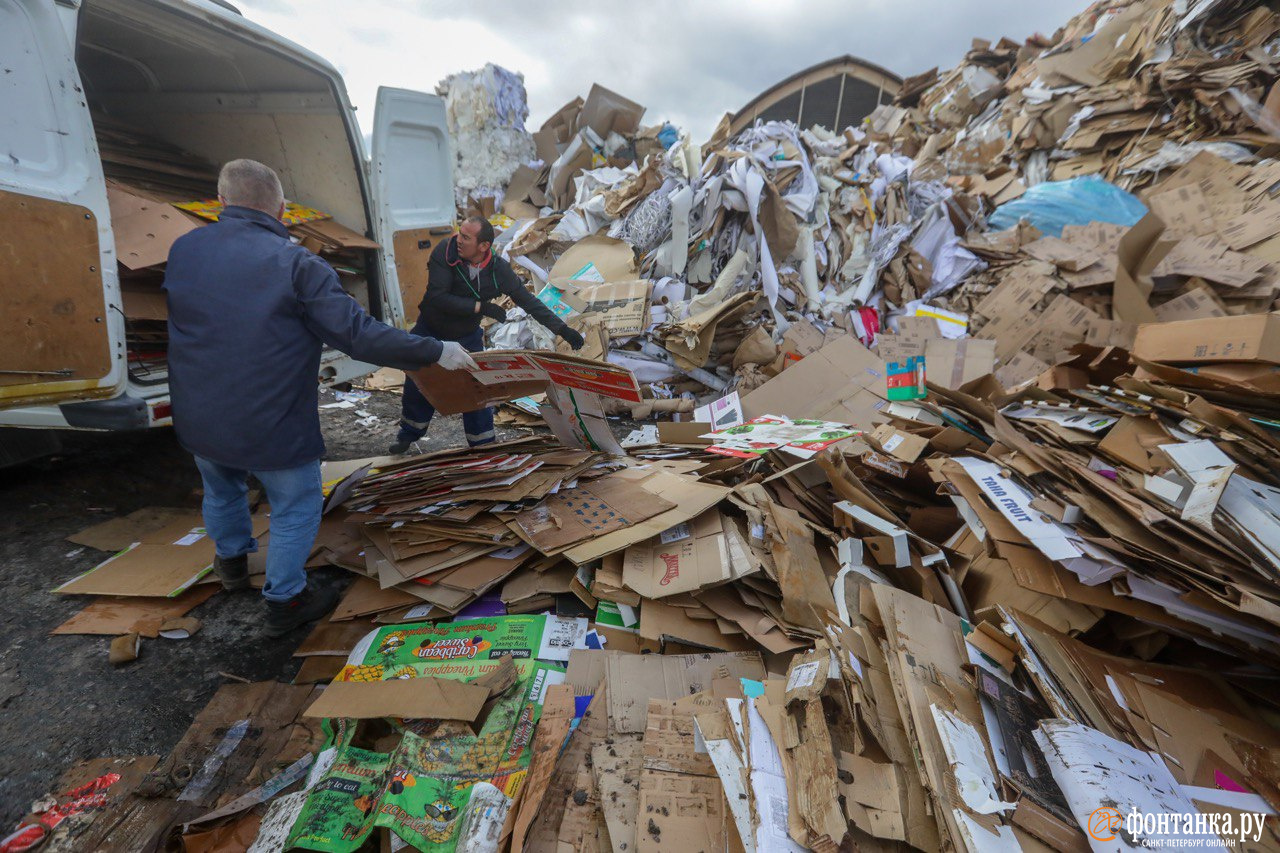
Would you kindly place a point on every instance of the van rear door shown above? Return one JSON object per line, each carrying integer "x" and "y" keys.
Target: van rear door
{"x": 413, "y": 182}
{"x": 61, "y": 330}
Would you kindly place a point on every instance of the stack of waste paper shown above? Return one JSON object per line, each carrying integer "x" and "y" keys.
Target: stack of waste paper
{"x": 977, "y": 625}
{"x": 1003, "y": 187}
{"x": 486, "y": 110}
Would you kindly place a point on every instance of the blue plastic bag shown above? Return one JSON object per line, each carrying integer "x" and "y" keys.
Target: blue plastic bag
{"x": 1078, "y": 201}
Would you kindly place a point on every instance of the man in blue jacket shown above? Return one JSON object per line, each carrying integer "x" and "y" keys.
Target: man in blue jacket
{"x": 463, "y": 279}
{"x": 249, "y": 312}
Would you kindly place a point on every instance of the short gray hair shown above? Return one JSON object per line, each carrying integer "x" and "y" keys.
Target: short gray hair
{"x": 248, "y": 183}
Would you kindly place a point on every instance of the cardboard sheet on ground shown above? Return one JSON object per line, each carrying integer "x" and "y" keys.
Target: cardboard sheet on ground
{"x": 504, "y": 375}
{"x": 465, "y": 649}
{"x": 133, "y": 615}
{"x": 116, "y": 534}
{"x": 164, "y": 564}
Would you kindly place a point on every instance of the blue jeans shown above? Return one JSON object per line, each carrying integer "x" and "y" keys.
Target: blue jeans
{"x": 416, "y": 413}
{"x": 295, "y": 497}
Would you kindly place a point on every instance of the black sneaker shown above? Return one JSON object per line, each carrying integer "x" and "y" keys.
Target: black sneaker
{"x": 399, "y": 448}
{"x": 233, "y": 572}
{"x": 307, "y": 606}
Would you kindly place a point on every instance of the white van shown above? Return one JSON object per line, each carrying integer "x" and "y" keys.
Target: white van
{"x": 80, "y": 81}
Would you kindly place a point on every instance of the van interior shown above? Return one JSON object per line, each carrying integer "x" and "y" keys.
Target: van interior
{"x": 174, "y": 92}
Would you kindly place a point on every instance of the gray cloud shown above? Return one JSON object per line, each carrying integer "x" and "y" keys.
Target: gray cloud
{"x": 688, "y": 62}
{"x": 691, "y": 62}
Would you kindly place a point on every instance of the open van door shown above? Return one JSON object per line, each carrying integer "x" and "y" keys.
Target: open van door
{"x": 413, "y": 182}
{"x": 59, "y": 337}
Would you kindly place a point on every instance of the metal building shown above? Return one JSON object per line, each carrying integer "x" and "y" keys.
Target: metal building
{"x": 834, "y": 94}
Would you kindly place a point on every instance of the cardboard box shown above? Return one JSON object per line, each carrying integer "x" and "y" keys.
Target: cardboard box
{"x": 1251, "y": 337}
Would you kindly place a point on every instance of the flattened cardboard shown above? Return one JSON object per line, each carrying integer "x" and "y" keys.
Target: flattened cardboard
{"x": 1252, "y": 227}
{"x": 760, "y": 627}
{"x": 1195, "y": 304}
{"x": 1184, "y": 210}
{"x": 1209, "y": 258}
{"x": 952, "y": 363}
{"x": 899, "y": 443}
{"x": 505, "y": 375}
{"x": 663, "y": 623}
{"x": 684, "y": 432}
{"x": 116, "y": 534}
{"x": 144, "y": 229}
{"x": 1251, "y": 337}
{"x": 365, "y": 597}
{"x": 592, "y": 509}
{"x": 623, "y": 306}
{"x": 1018, "y": 368}
{"x": 144, "y": 303}
{"x": 334, "y": 638}
{"x": 690, "y": 498}
{"x": 842, "y": 382}
{"x": 595, "y": 259}
{"x": 633, "y": 680}
{"x": 409, "y": 698}
{"x": 681, "y": 801}
{"x": 1011, "y": 311}
{"x": 133, "y": 615}
{"x": 616, "y": 765}
{"x": 164, "y": 564}
{"x": 332, "y": 234}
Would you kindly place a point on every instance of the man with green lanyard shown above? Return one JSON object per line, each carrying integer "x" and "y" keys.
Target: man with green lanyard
{"x": 464, "y": 277}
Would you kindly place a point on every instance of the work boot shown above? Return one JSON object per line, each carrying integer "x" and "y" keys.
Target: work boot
{"x": 233, "y": 572}
{"x": 399, "y": 448}
{"x": 306, "y": 606}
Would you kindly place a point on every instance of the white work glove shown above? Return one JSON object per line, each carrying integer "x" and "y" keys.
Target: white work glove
{"x": 454, "y": 357}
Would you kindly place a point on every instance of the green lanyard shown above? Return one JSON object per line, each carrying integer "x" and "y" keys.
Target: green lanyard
{"x": 493, "y": 275}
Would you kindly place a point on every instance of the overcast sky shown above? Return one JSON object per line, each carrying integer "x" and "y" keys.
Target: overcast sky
{"x": 688, "y": 62}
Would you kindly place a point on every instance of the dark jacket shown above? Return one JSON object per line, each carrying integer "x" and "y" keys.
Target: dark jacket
{"x": 449, "y": 306}
{"x": 249, "y": 312}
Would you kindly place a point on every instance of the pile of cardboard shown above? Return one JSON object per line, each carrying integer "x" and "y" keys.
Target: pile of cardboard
{"x": 694, "y": 262}
{"x": 970, "y": 626}
{"x": 946, "y": 537}
{"x": 518, "y": 527}
{"x": 926, "y": 633}
{"x": 1122, "y": 90}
